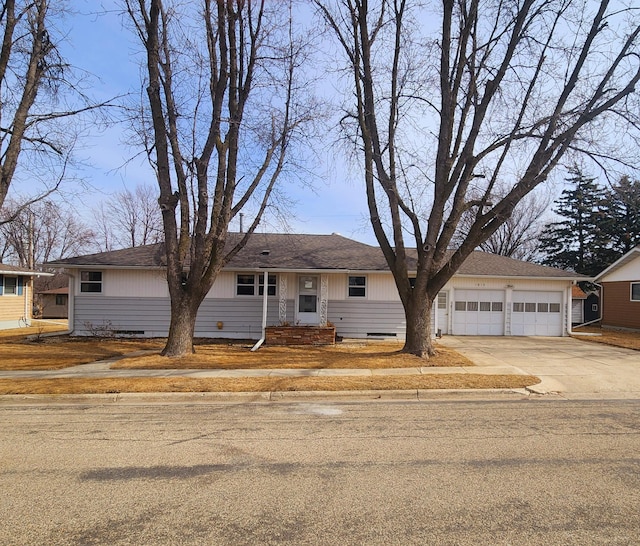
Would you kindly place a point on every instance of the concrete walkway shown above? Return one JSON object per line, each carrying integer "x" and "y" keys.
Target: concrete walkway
{"x": 572, "y": 367}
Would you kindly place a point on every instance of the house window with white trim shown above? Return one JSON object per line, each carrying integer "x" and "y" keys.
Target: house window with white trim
{"x": 635, "y": 291}
{"x": 91, "y": 282}
{"x": 10, "y": 286}
{"x": 357, "y": 286}
{"x": 246, "y": 284}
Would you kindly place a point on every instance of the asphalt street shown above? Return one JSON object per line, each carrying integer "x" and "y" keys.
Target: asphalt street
{"x": 377, "y": 472}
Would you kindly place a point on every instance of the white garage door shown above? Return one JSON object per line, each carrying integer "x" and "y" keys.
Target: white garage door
{"x": 478, "y": 313}
{"x": 536, "y": 313}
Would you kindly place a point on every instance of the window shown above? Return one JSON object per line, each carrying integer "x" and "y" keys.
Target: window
{"x": 555, "y": 308}
{"x": 518, "y": 307}
{"x": 496, "y": 306}
{"x": 271, "y": 285}
{"x": 91, "y": 281}
{"x": 543, "y": 308}
{"x": 10, "y": 286}
{"x": 461, "y": 305}
{"x": 357, "y": 286}
{"x": 246, "y": 284}
{"x": 485, "y": 306}
{"x": 635, "y": 291}
{"x": 472, "y": 306}
{"x": 529, "y": 307}
{"x": 61, "y": 299}
{"x": 442, "y": 300}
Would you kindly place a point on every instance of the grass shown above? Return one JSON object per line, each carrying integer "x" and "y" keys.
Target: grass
{"x": 18, "y": 353}
{"x": 616, "y": 338}
{"x": 37, "y": 328}
{"x": 63, "y": 352}
{"x": 262, "y": 384}
{"x": 373, "y": 355}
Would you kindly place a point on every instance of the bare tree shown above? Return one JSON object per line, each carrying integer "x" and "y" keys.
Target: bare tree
{"x": 129, "y": 218}
{"x": 224, "y": 106}
{"x": 491, "y": 95}
{"x": 40, "y": 104}
{"x": 518, "y": 237}
{"x": 42, "y": 232}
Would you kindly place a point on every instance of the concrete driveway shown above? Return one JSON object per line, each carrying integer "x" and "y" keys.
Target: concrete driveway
{"x": 568, "y": 366}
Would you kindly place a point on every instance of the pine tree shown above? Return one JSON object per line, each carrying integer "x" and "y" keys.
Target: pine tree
{"x": 579, "y": 242}
{"x": 623, "y": 204}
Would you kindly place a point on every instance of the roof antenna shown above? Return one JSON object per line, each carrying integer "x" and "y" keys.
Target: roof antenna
{"x": 241, "y": 218}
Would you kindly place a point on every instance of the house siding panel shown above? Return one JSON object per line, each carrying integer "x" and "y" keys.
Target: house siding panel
{"x": 13, "y": 307}
{"x": 618, "y": 310}
{"x": 358, "y": 318}
{"x": 240, "y": 318}
{"x": 134, "y": 284}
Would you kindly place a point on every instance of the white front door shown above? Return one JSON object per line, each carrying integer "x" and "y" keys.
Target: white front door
{"x": 307, "y": 307}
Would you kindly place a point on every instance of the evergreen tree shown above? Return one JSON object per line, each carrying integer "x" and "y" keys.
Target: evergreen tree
{"x": 623, "y": 218}
{"x": 579, "y": 242}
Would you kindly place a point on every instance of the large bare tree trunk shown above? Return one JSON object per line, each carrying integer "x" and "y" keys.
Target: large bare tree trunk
{"x": 184, "y": 311}
{"x": 419, "y": 339}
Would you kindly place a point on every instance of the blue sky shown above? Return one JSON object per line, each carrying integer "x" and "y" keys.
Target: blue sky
{"x": 98, "y": 43}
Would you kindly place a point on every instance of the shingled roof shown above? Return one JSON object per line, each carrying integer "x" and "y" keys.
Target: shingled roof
{"x": 312, "y": 252}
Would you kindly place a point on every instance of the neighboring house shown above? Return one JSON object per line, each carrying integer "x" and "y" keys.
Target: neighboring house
{"x": 585, "y": 307}
{"x": 621, "y": 292}
{"x": 16, "y": 295}
{"x": 312, "y": 279}
{"x": 54, "y": 303}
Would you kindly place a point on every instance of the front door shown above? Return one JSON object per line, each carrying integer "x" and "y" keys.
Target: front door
{"x": 308, "y": 299}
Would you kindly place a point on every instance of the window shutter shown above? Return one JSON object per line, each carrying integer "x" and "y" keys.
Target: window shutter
{"x": 20, "y": 285}
{"x": 1, "y": 284}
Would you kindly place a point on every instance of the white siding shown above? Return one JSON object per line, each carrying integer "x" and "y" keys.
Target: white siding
{"x": 338, "y": 286}
{"x": 224, "y": 287}
{"x": 150, "y": 317}
{"x": 628, "y": 272}
{"x": 133, "y": 283}
{"x": 381, "y": 287}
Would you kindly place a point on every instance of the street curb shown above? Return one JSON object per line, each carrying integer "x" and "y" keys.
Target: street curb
{"x": 274, "y": 396}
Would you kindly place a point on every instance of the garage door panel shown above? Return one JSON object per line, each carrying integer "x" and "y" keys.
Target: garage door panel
{"x": 479, "y": 312}
{"x": 536, "y": 313}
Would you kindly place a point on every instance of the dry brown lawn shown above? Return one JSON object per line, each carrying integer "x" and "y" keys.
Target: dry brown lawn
{"x": 263, "y": 384}
{"x": 617, "y": 338}
{"x": 55, "y": 353}
{"x": 17, "y": 353}
{"x": 373, "y": 355}
{"x": 37, "y": 328}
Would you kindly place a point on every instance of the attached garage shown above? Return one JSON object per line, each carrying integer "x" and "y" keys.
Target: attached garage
{"x": 479, "y": 313}
{"x": 536, "y": 313}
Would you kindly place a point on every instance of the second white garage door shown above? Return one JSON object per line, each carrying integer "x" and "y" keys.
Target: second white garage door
{"x": 478, "y": 313}
{"x": 536, "y": 313}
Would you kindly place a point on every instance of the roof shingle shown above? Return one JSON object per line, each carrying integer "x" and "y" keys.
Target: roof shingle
{"x": 313, "y": 252}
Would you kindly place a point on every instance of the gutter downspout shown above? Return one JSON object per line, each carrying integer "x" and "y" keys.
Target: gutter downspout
{"x": 265, "y": 293}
